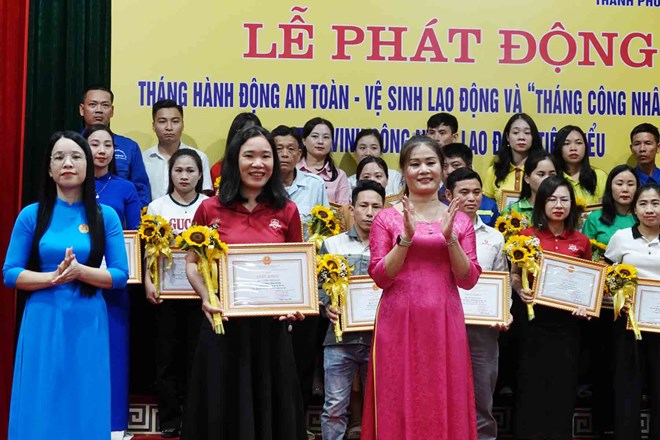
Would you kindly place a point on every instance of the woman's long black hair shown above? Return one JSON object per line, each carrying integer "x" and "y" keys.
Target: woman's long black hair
{"x": 588, "y": 178}
{"x": 47, "y": 197}
{"x": 273, "y": 192}
{"x": 505, "y": 155}
{"x": 608, "y": 213}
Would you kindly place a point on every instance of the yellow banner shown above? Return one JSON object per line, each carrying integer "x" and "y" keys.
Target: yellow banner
{"x": 390, "y": 65}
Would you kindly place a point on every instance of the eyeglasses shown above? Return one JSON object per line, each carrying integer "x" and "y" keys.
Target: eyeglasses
{"x": 76, "y": 157}
{"x": 556, "y": 201}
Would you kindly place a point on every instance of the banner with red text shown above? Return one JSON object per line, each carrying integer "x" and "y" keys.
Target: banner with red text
{"x": 390, "y": 65}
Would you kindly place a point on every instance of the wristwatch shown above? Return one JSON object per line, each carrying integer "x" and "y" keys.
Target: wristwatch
{"x": 400, "y": 241}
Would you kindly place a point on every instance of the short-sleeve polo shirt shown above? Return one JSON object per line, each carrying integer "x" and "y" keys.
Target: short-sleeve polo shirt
{"x": 629, "y": 246}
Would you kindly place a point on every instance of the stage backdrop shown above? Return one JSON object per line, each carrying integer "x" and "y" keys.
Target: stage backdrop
{"x": 390, "y": 65}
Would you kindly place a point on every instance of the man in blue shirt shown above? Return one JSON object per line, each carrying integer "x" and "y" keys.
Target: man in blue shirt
{"x": 96, "y": 107}
{"x": 644, "y": 144}
{"x": 457, "y": 156}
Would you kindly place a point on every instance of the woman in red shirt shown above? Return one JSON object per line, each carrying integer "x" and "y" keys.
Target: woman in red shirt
{"x": 550, "y": 343}
{"x": 244, "y": 383}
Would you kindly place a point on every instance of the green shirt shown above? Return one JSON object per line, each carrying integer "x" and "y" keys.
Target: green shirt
{"x": 581, "y": 193}
{"x": 523, "y": 207}
{"x": 594, "y": 228}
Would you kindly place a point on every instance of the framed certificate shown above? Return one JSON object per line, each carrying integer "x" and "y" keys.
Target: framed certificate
{"x": 507, "y": 198}
{"x": 134, "y": 256}
{"x": 269, "y": 280}
{"x": 646, "y": 305}
{"x": 173, "y": 281}
{"x": 569, "y": 283}
{"x": 359, "y": 311}
{"x": 488, "y": 302}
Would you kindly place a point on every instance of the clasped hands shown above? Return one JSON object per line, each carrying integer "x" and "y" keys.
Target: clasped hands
{"x": 68, "y": 270}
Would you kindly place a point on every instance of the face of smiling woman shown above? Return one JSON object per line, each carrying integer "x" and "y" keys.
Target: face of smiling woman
{"x": 423, "y": 170}
{"x": 68, "y": 164}
{"x": 255, "y": 163}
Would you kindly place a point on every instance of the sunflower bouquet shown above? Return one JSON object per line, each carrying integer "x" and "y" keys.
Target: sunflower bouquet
{"x": 620, "y": 283}
{"x": 323, "y": 224}
{"x": 597, "y": 249}
{"x": 333, "y": 271}
{"x": 511, "y": 223}
{"x": 157, "y": 235}
{"x": 205, "y": 242}
{"x": 525, "y": 252}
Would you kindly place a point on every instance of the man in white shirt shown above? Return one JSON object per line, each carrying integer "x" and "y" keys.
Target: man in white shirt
{"x": 167, "y": 123}
{"x": 466, "y": 184}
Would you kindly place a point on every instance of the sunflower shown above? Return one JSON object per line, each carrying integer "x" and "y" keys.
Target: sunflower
{"x": 519, "y": 254}
{"x": 332, "y": 225}
{"x": 323, "y": 213}
{"x": 164, "y": 229}
{"x": 331, "y": 263}
{"x": 502, "y": 225}
{"x": 147, "y": 230}
{"x": 197, "y": 236}
{"x": 598, "y": 244}
{"x": 580, "y": 203}
{"x": 515, "y": 240}
{"x": 610, "y": 271}
{"x": 515, "y": 221}
{"x": 626, "y": 271}
{"x": 178, "y": 241}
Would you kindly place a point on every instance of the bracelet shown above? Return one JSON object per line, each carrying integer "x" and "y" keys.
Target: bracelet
{"x": 400, "y": 241}
{"x": 453, "y": 241}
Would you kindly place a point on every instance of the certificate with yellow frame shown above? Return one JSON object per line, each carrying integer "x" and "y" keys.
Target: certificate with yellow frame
{"x": 507, "y": 198}
{"x": 488, "y": 302}
{"x": 269, "y": 280}
{"x": 359, "y": 310}
{"x": 646, "y": 305}
{"x": 568, "y": 283}
{"x": 173, "y": 282}
{"x": 134, "y": 256}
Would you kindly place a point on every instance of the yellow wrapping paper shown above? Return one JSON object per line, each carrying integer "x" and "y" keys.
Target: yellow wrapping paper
{"x": 525, "y": 284}
{"x": 209, "y": 272}
{"x": 337, "y": 290}
{"x": 619, "y": 300}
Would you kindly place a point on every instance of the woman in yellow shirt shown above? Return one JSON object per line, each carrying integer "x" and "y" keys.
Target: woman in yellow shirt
{"x": 520, "y": 138}
{"x": 570, "y": 151}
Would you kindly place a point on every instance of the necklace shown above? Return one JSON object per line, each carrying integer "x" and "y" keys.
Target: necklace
{"x": 98, "y": 193}
{"x": 430, "y": 222}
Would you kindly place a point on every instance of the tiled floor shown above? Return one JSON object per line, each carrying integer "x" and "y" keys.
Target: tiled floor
{"x": 143, "y": 422}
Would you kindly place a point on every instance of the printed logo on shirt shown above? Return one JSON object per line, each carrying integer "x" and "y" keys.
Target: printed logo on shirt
{"x": 215, "y": 223}
{"x": 275, "y": 224}
{"x": 83, "y": 228}
{"x": 572, "y": 248}
{"x": 120, "y": 155}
